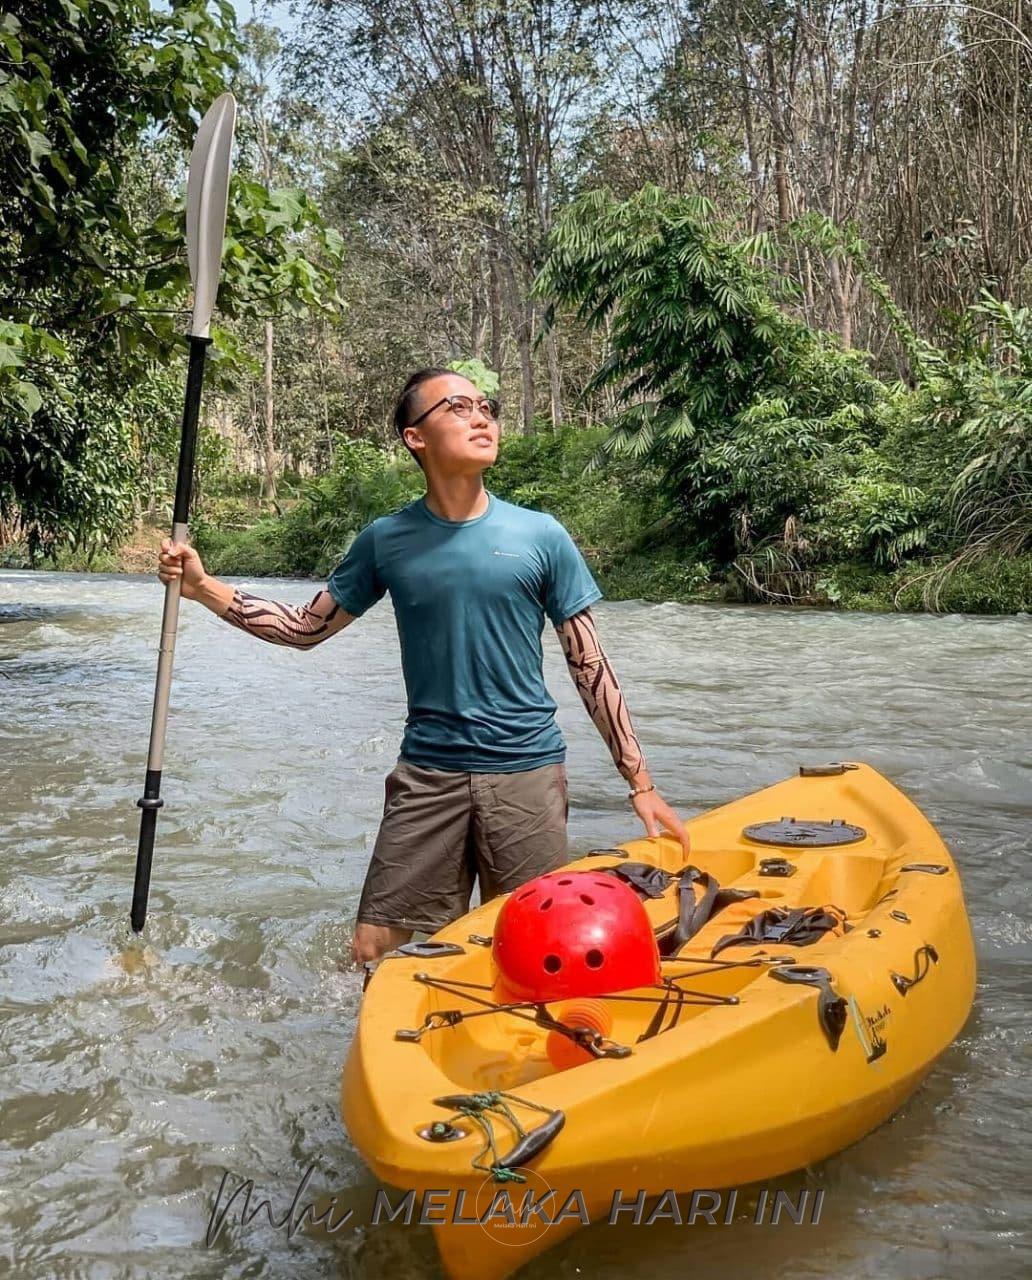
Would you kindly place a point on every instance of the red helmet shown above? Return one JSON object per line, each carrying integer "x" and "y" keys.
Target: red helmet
{"x": 574, "y": 933}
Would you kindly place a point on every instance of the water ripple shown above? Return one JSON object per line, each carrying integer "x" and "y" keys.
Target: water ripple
{"x": 134, "y": 1075}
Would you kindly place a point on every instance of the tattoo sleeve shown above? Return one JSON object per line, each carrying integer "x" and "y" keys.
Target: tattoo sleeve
{"x": 600, "y": 691}
{"x": 302, "y": 626}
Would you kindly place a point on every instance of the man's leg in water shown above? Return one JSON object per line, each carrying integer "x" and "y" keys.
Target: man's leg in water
{"x": 420, "y": 876}
{"x": 519, "y": 826}
{"x": 438, "y": 829}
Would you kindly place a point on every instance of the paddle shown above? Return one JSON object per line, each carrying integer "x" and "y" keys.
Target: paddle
{"x": 206, "y": 197}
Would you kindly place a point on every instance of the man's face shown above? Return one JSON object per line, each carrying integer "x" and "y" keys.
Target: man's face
{"x": 448, "y": 444}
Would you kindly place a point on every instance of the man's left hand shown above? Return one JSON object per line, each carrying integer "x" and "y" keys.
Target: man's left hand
{"x": 655, "y": 813}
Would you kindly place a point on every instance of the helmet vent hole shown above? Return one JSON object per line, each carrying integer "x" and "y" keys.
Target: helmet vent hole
{"x": 588, "y": 902}
{"x": 527, "y": 893}
{"x": 552, "y": 964}
{"x": 546, "y": 904}
{"x": 566, "y": 882}
{"x": 593, "y": 959}
{"x": 604, "y": 884}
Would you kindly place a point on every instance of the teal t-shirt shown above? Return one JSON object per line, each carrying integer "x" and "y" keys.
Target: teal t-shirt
{"x": 470, "y": 599}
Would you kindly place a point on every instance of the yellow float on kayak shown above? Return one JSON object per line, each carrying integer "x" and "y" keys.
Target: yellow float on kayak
{"x": 817, "y": 958}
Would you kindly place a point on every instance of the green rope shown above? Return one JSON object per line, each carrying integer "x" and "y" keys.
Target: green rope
{"x": 478, "y": 1108}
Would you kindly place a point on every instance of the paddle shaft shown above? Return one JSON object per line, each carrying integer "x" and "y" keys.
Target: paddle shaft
{"x": 151, "y": 801}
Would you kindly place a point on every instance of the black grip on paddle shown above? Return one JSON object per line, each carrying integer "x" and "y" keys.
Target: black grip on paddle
{"x": 150, "y": 802}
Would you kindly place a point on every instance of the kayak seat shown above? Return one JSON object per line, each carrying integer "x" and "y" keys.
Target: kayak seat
{"x": 733, "y": 917}
{"x": 700, "y": 899}
{"x": 785, "y": 926}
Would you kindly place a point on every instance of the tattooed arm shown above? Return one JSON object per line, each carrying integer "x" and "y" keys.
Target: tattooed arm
{"x": 601, "y": 694}
{"x": 300, "y": 626}
{"x": 602, "y": 697}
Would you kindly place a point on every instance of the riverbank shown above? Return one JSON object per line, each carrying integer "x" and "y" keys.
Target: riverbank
{"x": 663, "y": 573}
{"x": 640, "y": 540}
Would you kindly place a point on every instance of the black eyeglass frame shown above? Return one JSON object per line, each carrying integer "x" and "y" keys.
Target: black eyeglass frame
{"x": 450, "y": 401}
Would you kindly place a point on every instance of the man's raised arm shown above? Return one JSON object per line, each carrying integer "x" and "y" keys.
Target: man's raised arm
{"x": 300, "y": 626}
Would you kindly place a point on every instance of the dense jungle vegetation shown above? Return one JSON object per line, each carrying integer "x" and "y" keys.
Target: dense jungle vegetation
{"x": 752, "y": 280}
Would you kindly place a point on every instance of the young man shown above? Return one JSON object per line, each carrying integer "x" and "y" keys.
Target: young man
{"x": 480, "y": 786}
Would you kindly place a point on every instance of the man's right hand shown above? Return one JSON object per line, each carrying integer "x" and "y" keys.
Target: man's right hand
{"x": 179, "y": 560}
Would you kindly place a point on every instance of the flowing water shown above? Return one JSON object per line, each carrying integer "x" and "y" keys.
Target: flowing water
{"x": 125, "y": 1095}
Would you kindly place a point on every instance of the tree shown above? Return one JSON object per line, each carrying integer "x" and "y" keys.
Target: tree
{"x": 482, "y": 103}
{"x": 93, "y": 284}
{"x": 909, "y": 121}
{"x": 716, "y": 383}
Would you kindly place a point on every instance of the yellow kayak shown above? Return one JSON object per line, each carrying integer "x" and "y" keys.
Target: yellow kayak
{"x": 815, "y": 959}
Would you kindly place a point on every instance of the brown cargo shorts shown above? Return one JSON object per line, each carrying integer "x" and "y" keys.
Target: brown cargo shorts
{"x": 442, "y": 830}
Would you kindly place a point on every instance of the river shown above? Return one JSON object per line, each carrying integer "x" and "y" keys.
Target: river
{"x": 125, "y": 1095}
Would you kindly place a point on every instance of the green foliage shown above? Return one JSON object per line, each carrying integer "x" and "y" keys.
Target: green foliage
{"x": 314, "y": 534}
{"x": 990, "y": 584}
{"x": 365, "y": 482}
{"x": 254, "y": 551}
{"x": 279, "y": 257}
{"x": 869, "y": 514}
{"x": 987, "y": 399}
{"x": 611, "y": 513}
{"x": 667, "y": 576}
{"x": 93, "y": 292}
{"x": 738, "y": 404}
{"x": 782, "y": 454}
{"x": 852, "y": 585}
{"x": 609, "y": 510}
{"x": 484, "y": 379}
{"x": 997, "y": 585}
{"x": 844, "y": 242}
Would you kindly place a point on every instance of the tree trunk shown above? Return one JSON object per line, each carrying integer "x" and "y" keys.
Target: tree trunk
{"x": 496, "y": 312}
{"x": 524, "y": 329}
{"x": 322, "y": 362}
{"x": 840, "y": 277}
{"x": 555, "y": 388}
{"x": 524, "y": 310}
{"x": 268, "y": 424}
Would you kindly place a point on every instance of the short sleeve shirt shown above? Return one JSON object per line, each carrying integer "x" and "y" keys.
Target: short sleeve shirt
{"x": 470, "y": 600}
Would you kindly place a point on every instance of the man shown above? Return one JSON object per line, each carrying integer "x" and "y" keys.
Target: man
{"x": 480, "y": 786}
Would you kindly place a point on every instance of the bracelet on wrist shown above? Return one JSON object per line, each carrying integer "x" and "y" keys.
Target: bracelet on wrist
{"x": 641, "y": 791}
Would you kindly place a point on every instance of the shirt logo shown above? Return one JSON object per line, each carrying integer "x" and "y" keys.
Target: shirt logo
{"x": 511, "y": 555}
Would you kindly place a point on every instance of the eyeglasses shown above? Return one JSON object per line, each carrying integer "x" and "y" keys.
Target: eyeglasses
{"x": 462, "y": 407}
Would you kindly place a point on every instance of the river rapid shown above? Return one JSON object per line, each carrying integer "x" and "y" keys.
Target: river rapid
{"x": 133, "y": 1077}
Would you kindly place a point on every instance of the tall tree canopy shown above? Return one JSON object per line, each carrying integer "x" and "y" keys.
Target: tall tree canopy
{"x": 93, "y": 277}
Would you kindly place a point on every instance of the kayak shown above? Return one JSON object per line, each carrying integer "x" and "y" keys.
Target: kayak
{"x": 815, "y": 958}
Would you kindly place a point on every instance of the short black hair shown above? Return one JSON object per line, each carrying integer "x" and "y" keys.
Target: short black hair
{"x": 406, "y": 401}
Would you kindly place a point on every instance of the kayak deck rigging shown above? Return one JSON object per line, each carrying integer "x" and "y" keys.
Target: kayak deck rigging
{"x": 520, "y": 1054}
